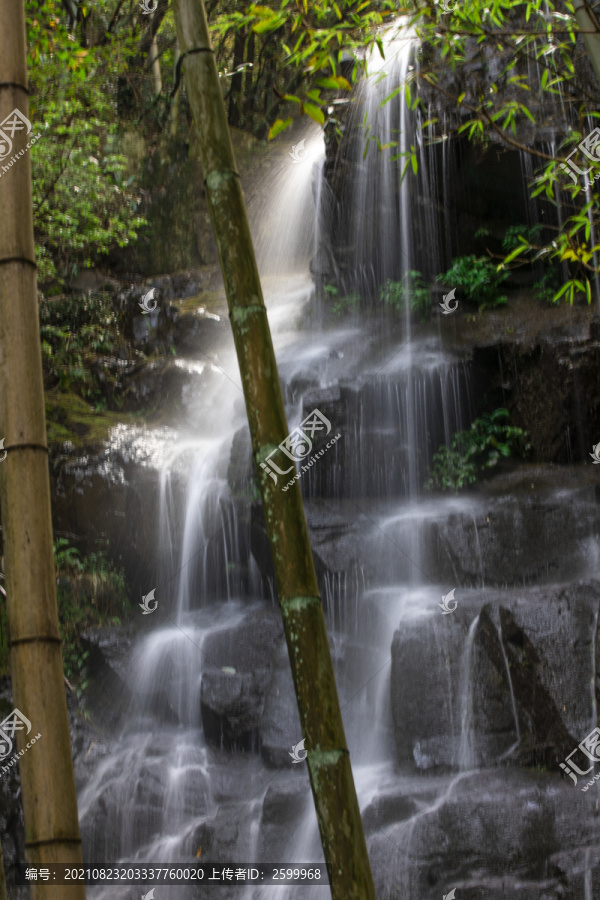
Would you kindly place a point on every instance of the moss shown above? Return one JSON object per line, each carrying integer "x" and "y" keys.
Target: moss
{"x": 213, "y": 301}
{"x": 69, "y": 418}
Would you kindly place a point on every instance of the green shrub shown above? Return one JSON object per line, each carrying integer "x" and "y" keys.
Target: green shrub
{"x": 348, "y": 303}
{"x": 74, "y": 332}
{"x": 474, "y": 450}
{"x": 90, "y": 591}
{"x": 516, "y": 234}
{"x": 547, "y": 286}
{"x": 413, "y": 289}
{"x": 478, "y": 278}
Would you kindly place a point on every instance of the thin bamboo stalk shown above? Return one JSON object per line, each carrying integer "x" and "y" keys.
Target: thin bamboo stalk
{"x": 328, "y": 759}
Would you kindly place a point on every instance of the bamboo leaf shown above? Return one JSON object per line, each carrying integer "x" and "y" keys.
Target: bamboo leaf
{"x": 278, "y": 126}
{"x": 314, "y": 112}
{"x": 515, "y": 253}
{"x": 391, "y": 96}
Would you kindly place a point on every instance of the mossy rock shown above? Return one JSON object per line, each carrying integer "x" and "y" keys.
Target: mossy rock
{"x": 70, "y": 418}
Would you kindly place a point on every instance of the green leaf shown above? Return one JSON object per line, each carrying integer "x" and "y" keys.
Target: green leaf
{"x": 515, "y": 253}
{"x": 278, "y": 126}
{"x": 334, "y": 83}
{"x": 314, "y": 112}
{"x": 390, "y": 97}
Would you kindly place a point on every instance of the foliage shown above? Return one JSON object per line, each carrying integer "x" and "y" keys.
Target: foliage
{"x": 89, "y": 74}
{"x": 90, "y": 591}
{"x": 478, "y": 277}
{"x": 515, "y": 235}
{"x": 413, "y": 289}
{"x": 347, "y": 303}
{"x": 75, "y": 332}
{"x": 312, "y": 40}
{"x": 474, "y": 450}
{"x": 504, "y": 102}
{"x": 84, "y": 202}
{"x": 548, "y": 286}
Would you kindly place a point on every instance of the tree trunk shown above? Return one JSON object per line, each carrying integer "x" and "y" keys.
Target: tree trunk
{"x": 248, "y": 90}
{"x": 327, "y": 754}
{"x": 175, "y": 101}
{"x": 155, "y": 62}
{"x": 235, "y": 92}
{"x": 46, "y": 769}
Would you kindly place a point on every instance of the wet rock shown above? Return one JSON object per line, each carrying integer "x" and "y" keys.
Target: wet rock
{"x": 200, "y": 332}
{"x": 483, "y": 826}
{"x": 280, "y": 727}
{"x": 521, "y": 517}
{"x": 379, "y": 421}
{"x": 462, "y": 684}
{"x": 283, "y": 810}
{"x": 231, "y": 706}
{"x": 247, "y": 645}
{"x": 109, "y": 495}
{"x": 159, "y": 384}
{"x": 472, "y": 548}
{"x": 240, "y": 471}
{"x": 388, "y": 809}
{"x": 108, "y": 695}
{"x": 232, "y": 701}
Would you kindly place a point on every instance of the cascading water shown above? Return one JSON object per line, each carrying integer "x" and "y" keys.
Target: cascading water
{"x": 178, "y": 785}
{"x": 157, "y": 786}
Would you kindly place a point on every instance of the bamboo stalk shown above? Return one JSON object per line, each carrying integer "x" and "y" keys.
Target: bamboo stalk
{"x": 46, "y": 768}
{"x": 588, "y": 25}
{"x": 328, "y": 759}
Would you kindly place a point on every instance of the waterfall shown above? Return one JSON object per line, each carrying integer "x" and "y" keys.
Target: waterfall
{"x": 379, "y": 210}
{"x": 467, "y": 758}
{"x": 513, "y": 700}
{"x": 172, "y": 785}
{"x": 588, "y": 877}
